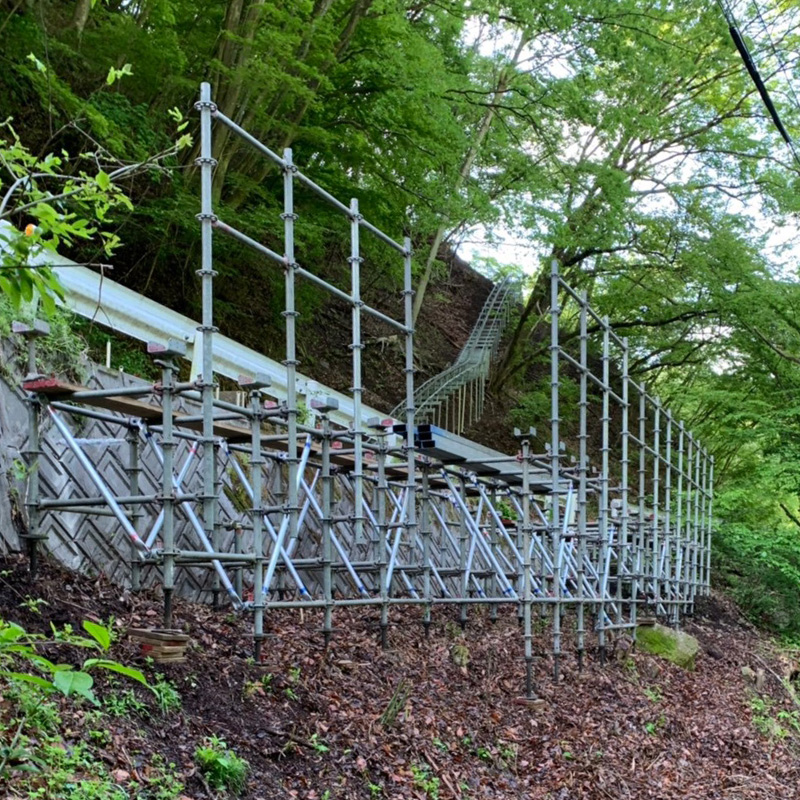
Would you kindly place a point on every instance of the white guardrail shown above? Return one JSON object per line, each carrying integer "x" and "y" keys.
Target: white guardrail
{"x": 129, "y": 313}
{"x": 96, "y": 297}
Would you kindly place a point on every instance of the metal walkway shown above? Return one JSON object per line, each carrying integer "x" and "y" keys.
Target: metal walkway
{"x": 454, "y": 398}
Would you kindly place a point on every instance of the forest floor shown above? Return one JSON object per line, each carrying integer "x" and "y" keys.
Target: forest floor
{"x": 315, "y": 723}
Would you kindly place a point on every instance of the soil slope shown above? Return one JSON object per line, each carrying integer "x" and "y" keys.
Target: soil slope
{"x": 312, "y": 722}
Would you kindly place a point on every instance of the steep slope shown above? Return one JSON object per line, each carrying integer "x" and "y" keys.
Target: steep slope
{"x": 317, "y": 723}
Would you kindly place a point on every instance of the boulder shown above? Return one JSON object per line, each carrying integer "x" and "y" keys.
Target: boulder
{"x": 676, "y": 646}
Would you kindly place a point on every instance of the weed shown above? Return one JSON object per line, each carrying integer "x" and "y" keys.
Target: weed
{"x": 318, "y": 745}
{"x": 508, "y": 755}
{"x": 440, "y": 745}
{"x": 424, "y": 781}
{"x": 294, "y": 674}
{"x": 396, "y": 704}
{"x": 222, "y": 768}
{"x": 780, "y": 725}
{"x": 653, "y": 695}
{"x": 124, "y": 704}
{"x": 262, "y": 687}
{"x": 161, "y": 781}
{"x": 290, "y": 693}
{"x": 33, "y": 604}
{"x": 167, "y": 695}
{"x": 100, "y": 736}
{"x": 654, "y": 727}
{"x": 375, "y": 789}
{"x": 483, "y": 753}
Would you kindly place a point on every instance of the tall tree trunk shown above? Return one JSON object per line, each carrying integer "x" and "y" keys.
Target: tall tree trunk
{"x": 81, "y": 15}
{"x": 501, "y": 87}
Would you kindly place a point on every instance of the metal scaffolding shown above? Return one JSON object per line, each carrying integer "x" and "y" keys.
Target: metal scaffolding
{"x": 386, "y": 513}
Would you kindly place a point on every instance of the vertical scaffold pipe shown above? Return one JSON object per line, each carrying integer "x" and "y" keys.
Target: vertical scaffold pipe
{"x": 356, "y": 389}
{"x": 679, "y": 535}
{"x": 641, "y": 567}
{"x": 425, "y": 533}
{"x": 704, "y": 546}
{"x": 696, "y": 541}
{"x": 526, "y": 588}
{"x": 667, "y": 560}
{"x": 133, "y": 470}
{"x": 411, "y": 461}
{"x": 256, "y": 481}
{"x": 583, "y": 470}
{"x": 327, "y": 522}
{"x": 290, "y": 314}
{"x": 604, "y": 529}
{"x": 555, "y": 450}
{"x": 463, "y": 539}
{"x": 689, "y": 558}
{"x": 710, "y": 519}
{"x": 656, "y": 521}
{"x": 381, "y": 543}
{"x": 206, "y": 162}
{"x": 167, "y": 489}
{"x": 623, "y": 544}
{"x": 32, "y": 454}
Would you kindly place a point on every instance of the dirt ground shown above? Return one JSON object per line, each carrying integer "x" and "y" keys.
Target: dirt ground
{"x": 317, "y": 726}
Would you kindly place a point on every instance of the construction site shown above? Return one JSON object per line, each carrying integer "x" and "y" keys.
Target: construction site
{"x": 287, "y": 495}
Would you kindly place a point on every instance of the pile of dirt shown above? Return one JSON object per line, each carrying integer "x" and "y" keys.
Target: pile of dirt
{"x": 355, "y": 721}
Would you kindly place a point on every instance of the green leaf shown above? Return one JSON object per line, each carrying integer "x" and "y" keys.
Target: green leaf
{"x": 26, "y": 678}
{"x": 70, "y": 682}
{"x": 102, "y": 180}
{"x": 36, "y": 63}
{"x": 98, "y": 632}
{"x": 114, "y": 666}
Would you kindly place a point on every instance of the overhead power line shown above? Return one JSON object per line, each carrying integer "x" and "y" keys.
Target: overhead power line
{"x": 755, "y": 76}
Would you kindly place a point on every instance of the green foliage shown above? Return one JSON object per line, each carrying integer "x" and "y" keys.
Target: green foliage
{"x": 21, "y": 661}
{"x": 61, "y": 353}
{"x": 424, "y": 781}
{"x": 777, "y": 724}
{"x": 222, "y": 768}
{"x": 167, "y": 696}
{"x": 124, "y": 704}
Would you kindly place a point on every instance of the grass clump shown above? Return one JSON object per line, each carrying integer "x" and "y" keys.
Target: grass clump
{"x": 221, "y": 767}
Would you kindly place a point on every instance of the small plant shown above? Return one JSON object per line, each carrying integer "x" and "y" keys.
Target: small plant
{"x": 654, "y": 727}
{"x": 294, "y": 674}
{"x": 318, "y": 745}
{"x": 780, "y": 725}
{"x": 440, "y": 745}
{"x": 508, "y": 755}
{"x": 161, "y": 781}
{"x": 167, "y": 695}
{"x": 100, "y": 736}
{"x": 653, "y": 695}
{"x": 375, "y": 789}
{"x": 34, "y": 604}
{"x": 424, "y": 781}
{"x": 290, "y": 693}
{"x": 221, "y": 767}
{"x": 262, "y": 687}
{"x": 396, "y": 704}
{"x": 506, "y": 510}
{"x": 124, "y": 704}
{"x": 483, "y": 753}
